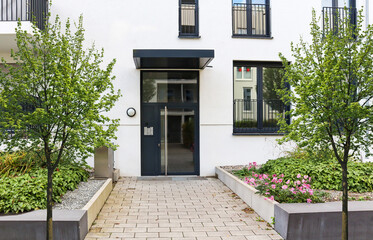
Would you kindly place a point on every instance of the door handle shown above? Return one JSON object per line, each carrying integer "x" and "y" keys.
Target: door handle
{"x": 159, "y": 145}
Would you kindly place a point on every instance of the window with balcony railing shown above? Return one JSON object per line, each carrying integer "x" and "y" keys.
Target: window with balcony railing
{"x": 256, "y": 105}
{"x": 24, "y": 10}
{"x": 188, "y": 18}
{"x": 336, "y": 12}
{"x": 251, "y": 18}
{"x": 334, "y": 18}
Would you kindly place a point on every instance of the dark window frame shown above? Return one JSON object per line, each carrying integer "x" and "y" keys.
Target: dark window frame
{"x": 249, "y": 33}
{"x": 196, "y": 21}
{"x": 259, "y": 130}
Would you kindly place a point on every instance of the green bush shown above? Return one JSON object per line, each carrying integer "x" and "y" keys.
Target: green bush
{"x": 28, "y": 191}
{"x": 324, "y": 170}
{"x": 246, "y": 124}
{"x": 254, "y": 124}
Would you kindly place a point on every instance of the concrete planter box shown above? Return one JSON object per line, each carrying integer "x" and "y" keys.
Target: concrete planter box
{"x": 67, "y": 224}
{"x": 263, "y": 207}
{"x": 294, "y": 221}
{"x": 323, "y": 221}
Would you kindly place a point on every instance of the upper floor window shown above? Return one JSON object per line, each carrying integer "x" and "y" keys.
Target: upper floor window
{"x": 336, "y": 10}
{"x": 256, "y": 104}
{"x": 251, "y": 18}
{"x": 188, "y": 18}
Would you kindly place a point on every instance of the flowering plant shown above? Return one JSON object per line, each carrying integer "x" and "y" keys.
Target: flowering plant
{"x": 276, "y": 188}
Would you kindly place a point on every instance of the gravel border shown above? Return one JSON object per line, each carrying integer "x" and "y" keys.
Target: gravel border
{"x": 78, "y": 198}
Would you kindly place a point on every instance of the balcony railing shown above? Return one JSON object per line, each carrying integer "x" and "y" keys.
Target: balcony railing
{"x": 334, "y": 18}
{"x": 250, "y": 19}
{"x": 257, "y": 115}
{"x": 24, "y": 10}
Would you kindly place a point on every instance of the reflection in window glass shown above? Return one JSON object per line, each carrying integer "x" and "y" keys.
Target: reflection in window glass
{"x": 242, "y": 73}
{"x": 165, "y": 87}
{"x": 245, "y": 96}
{"x": 272, "y": 104}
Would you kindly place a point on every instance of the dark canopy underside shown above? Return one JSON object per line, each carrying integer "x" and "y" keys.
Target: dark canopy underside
{"x": 172, "y": 58}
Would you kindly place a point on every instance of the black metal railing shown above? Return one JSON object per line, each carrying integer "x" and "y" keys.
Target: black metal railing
{"x": 250, "y": 19}
{"x": 24, "y": 10}
{"x": 334, "y": 18}
{"x": 257, "y": 115}
{"x": 188, "y": 19}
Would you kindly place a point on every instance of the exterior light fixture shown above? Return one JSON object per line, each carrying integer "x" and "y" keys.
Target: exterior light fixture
{"x": 131, "y": 112}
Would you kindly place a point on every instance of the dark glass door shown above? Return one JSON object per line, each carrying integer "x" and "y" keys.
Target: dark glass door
{"x": 170, "y": 132}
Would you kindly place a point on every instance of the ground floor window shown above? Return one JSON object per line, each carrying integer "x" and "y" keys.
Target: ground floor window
{"x": 256, "y": 103}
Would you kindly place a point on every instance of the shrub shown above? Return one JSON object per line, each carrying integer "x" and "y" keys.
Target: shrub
{"x": 28, "y": 191}
{"x": 324, "y": 170}
{"x": 275, "y": 188}
{"x": 12, "y": 164}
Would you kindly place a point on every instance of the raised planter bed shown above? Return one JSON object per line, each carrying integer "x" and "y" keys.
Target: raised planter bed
{"x": 263, "y": 207}
{"x": 293, "y": 221}
{"x": 68, "y": 224}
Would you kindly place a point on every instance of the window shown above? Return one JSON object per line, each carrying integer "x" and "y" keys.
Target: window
{"x": 335, "y": 10}
{"x": 188, "y": 18}
{"x": 256, "y": 103}
{"x": 251, "y": 18}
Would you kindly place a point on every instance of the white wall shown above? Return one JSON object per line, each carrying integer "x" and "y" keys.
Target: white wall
{"x": 122, "y": 25}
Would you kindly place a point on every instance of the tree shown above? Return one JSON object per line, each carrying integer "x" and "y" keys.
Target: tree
{"x": 332, "y": 89}
{"x": 54, "y": 97}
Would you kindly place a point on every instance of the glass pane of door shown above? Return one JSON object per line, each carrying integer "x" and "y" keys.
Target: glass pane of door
{"x": 177, "y": 141}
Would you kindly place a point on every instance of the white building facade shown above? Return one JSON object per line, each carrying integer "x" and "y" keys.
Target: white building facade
{"x": 200, "y": 75}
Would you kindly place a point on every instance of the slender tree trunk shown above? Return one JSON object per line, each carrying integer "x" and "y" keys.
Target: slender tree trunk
{"x": 49, "y": 205}
{"x": 344, "y": 201}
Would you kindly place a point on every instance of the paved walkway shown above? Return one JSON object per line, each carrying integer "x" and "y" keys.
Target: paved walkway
{"x": 177, "y": 208}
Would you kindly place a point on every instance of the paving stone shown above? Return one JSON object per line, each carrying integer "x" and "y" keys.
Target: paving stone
{"x": 182, "y": 209}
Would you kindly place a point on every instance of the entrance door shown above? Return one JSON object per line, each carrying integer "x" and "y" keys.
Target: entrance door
{"x": 169, "y": 123}
{"x": 177, "y": 146}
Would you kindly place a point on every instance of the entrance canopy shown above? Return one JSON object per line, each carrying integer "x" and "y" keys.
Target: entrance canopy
{"x": 172, "y": 58}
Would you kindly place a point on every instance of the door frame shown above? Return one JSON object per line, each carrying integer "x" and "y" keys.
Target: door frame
{"x": 158, "y": 107}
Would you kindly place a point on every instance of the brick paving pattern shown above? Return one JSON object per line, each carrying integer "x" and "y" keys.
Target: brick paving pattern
{"x": 174, "y": 209}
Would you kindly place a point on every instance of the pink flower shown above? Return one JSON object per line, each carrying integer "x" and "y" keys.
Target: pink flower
{"x": 267, "y": 193}
{"x": 298, "y": 176}
{"x": 287, "y": 182}
{"x": 298, "y": 182}
{"x": 274, "y": 175}
{"x": 272, "y": 198}
{"x": 309, "y": 179}
{"x": 309, "y": 200}
{"x": 305, "y": 176}
{"x": 256, "y": 175}
{"x": 311, "y": 192}
{"x": 280, "y": 180}
{"x": 273, "y": 186}
{"x": 265, "y": 176}
{"x": 266, "y": 183}
{"x": 292, "y": 190}
{"x": 254, "y": 163}
{"x": 282, "y": 175}
{"x": 284, "y": 187}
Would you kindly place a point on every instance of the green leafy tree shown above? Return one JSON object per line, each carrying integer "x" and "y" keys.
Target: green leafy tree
{"x": 332, "y": 90}
{"x": 53, "y": 99}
